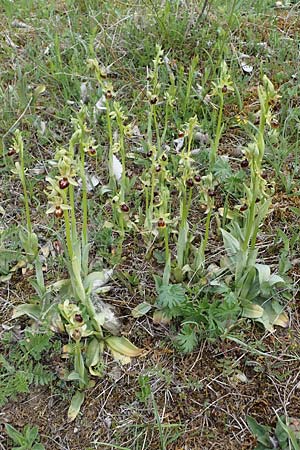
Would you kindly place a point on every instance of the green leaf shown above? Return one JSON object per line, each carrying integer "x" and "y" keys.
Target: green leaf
{"x": 171, "y": 296}
{"x": 96, "y": 280}
{"x": 14, "y": 434}
{"x": 260, "y": 431}
{"x": 31, "y": 434}
{"x": 290, "y": 433}
{"x": 38, "y": 447}
{"x": 123, "y": 346}
{"x": 252, "y": 311}
{"x": 32, "y": 311}
{"x": 182, "y": 244}
{"x": 141, "y": 309}
{"x": 93, "y": 353}
{"x": 232, "y": 245}
{"x": 187, "y": 340}
{"x": 74, "y": 408}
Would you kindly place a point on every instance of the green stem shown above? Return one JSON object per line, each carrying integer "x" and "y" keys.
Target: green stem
{"x": 73, "y": 217}
{"x": 158, "y": 141}
{"x": 23, "y": 181}
{"x": 112, "y": 180}
{"x": 214, "y": 149}
{"x": 84, "y": 198}
{"x": 166, "y": 124}
{"x": 68, "y": 234}
{"x": 166, "y": 275}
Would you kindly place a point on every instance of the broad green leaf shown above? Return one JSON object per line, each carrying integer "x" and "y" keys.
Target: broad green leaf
{"x": 96, "y": 280}
{"x": 247, "y": 285}
{"x": 77, "y": 281}
{"x": 264, "y": 272}
{"x": 14, "y": 434}
{"x": 123, "y": 345}
{"x": 31, "y": 434}
{"x": 74, "y": 408}
{"x": 281, "y": 434}
{"x": 93, "y": 353}
{"x": 253, "y": 311}
{"x": 231, "y": 244}
{"x": 260, "y": 431}
{"x": 282, "y": 320}
{"x": 290, "y": 433}
{"x": 32, "y": 311}
{"x": 79, "y": 364}
{"x": 38, "y": 447}
{"x": 141, "y": 309}
{"x": 276, "y": 279}
{"x": 123, "y": 359}
{"x": 74, "y": 376}
{"x": 182, "y": 244}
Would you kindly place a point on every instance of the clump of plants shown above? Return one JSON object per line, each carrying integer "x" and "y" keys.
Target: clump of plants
{"x": 174, "y": 179}
{"x": 72, "y": 305}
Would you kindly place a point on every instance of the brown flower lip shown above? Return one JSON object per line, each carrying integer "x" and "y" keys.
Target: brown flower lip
{"x": 197, "y": 178}
{"x": 78, "y": 318}
{"x": 161, "y": 223}
{"x": 224, "y": 89}
{"x": 212, "y": 193}
{"x": 124, "y": 207}
{"x": 158, "y": 168}
{"x": 243, "y": 208}
{"x": 108, "y": 94}
{"x": 11, "y": 152}
{"x": 58, "y": 212}
{"x": 64, "y": 183}
{"x": 180, "y": 134}
{"x": 190, "y": 182}
{"x": 92, "y": 151}
{"x": 153, "y": 100}
{"x": 244, "y": 163}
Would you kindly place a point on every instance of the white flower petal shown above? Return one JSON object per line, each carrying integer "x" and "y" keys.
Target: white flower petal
{"x": 117, "y": 168}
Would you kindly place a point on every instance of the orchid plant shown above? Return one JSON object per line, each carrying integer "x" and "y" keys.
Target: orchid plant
{"x": 82, "y": 315}
{"x": 253, "y": 282}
